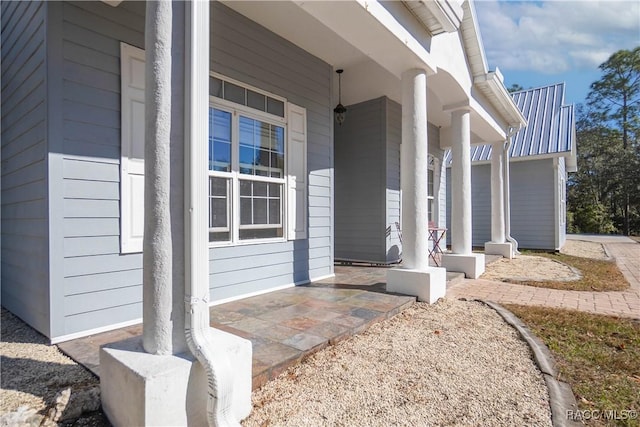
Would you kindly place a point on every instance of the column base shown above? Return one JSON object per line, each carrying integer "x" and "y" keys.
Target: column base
{"x": 138, "y": 388}
{"x": 472, "y": 265}
{"x": 428, "y": 285}
{"x": 503, "y": 249}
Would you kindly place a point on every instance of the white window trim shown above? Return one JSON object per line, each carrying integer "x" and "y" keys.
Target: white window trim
{"x": 234, "y": 216}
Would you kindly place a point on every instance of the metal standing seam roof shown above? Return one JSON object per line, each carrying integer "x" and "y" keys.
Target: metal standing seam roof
{"x": 550, "y": 130}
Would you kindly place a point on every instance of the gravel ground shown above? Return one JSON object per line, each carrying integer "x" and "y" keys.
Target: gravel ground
{"x": 584, "y": 249}
{"x": 452, "y": 363}
{"x": 527, "y": 267}
{"x": 33, "y": 375}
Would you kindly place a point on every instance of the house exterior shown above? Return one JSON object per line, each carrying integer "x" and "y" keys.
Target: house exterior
{"x": 541, "y": 156}
{"x": 73, "y": 162}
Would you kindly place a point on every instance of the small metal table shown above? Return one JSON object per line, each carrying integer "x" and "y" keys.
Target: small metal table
{"x": 436, "y": 235}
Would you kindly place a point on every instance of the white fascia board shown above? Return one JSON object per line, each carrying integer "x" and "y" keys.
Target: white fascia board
{"x": 490, "y": 84}
{"x": 373, "y": 30}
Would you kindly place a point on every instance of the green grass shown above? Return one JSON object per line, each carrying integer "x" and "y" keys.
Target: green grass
{"x": 599, "y": 356}
{"x": 597, "y": 275}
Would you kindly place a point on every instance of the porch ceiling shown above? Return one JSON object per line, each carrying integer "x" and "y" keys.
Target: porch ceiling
{"x": 371, "y": 46}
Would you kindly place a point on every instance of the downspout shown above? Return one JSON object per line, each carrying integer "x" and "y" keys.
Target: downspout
{"x": 197, "y": 329}
{"x": 507, "y": 192}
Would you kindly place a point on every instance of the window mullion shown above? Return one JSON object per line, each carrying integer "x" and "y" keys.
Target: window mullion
{"x": 235, "y": 182}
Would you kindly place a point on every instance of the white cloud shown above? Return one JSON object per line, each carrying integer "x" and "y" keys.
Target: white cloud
{"x": 556, "y": 36}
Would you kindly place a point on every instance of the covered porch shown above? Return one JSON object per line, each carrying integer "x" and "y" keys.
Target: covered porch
{"x": 428, "y": 68}
{"x": 287, "y": 325}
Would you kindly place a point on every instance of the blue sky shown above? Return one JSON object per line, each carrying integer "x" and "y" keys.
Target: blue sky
{"x": 535, "y": 43}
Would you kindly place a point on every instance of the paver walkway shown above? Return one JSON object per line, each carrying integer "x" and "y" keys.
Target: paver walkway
{"x": 625, "y": 304}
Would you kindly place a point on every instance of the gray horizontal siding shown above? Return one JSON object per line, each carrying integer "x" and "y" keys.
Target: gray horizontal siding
{"x": 101, "y": 286}
{"x": 247, "y": 52}
{"x": 361, "y": 178}
{"x": 24, "y": 253}
{"x": 393, "y": 139}
{"x": 532, "y": 203}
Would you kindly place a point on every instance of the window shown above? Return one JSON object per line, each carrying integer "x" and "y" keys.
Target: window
{"x": 257, "y": 161}
{"x": 246, "y": 176}
{"x": 249, "y": 184}
{"x": 431, "y": 189}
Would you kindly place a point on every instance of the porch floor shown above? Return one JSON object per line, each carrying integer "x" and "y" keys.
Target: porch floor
{"x": 287, "y": 325}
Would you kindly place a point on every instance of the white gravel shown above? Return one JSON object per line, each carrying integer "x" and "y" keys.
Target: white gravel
{"x": 584, "y": 249}
{"x": 530, "y": 267}
{"x": 452, "y": 363}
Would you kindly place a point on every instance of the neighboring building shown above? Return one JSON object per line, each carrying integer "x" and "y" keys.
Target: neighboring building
{"x": 541, "y": 155}
{"x": 73, "y": 159}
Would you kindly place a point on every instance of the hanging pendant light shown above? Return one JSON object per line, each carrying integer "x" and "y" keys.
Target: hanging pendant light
{"x": 340, "y": 110}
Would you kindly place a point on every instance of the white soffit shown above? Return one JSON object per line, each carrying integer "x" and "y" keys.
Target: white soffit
{"x": 439, "y": 16}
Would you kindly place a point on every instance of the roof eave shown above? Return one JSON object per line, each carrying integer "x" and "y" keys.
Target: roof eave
{"x": 438, "y": 16}
{"x": 492, "y": 86}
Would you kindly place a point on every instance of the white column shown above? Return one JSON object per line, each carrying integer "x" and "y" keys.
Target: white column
{"x": 498, "y": 244}
{"x": 462, "y": 259}
{"x": 415, "y": 277}
{"x": 162, "y": 325}
{"x": 461, "y": 182}
{"x": 148, "y": 382}
{"x": 414, "y": 153}
{"x": 497, "y": 194}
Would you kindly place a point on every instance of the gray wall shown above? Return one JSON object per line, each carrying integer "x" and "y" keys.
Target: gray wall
{"x": 394, "y": 138}
{"x": 367, "y": 151}
{"x": 96, "y": 286}
{"x": 533, "y": 209}
{"x": 361, "y": 182}
{"x": 251, "y": 54}
{"x": 24, "y": 171}
{"x": 562, "y": 222}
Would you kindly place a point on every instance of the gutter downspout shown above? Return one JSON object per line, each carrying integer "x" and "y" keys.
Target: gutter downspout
{"x": 197, "y": 330}
{"x": 507, "y": 192}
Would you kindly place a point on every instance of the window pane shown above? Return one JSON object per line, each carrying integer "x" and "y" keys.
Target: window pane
{"x": 430, "y": 182}
{"x": 259, "y": 211}
{"x": 246, "y": 160}
{"x": 274, "y": 211}
{"x": 245, "y": 188}
{"x": 234, "y": 93}
{"x": 256, "y": 100}
{"x": 246, "y": 132}
{"x": 219, "y": 140}
{"x": 277, "y": 165}
{"x": 274, "y": 190}
{"x": 215, "y": 87}
{"x": 278, "y": 139}
{"x": 218, "y": 187}
{"x": 262, "y": 162}
{"x": 219, "y": 209}
{"x": 260, "y": 233}
{"x": 263, "y": 135}
{"x": 260, "y": 189}
{"x": 275, "y": 106}
{"x": 245, "y": 211}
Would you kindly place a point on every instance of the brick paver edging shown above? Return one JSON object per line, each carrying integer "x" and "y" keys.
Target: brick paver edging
{"x": 561, "y": 398}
